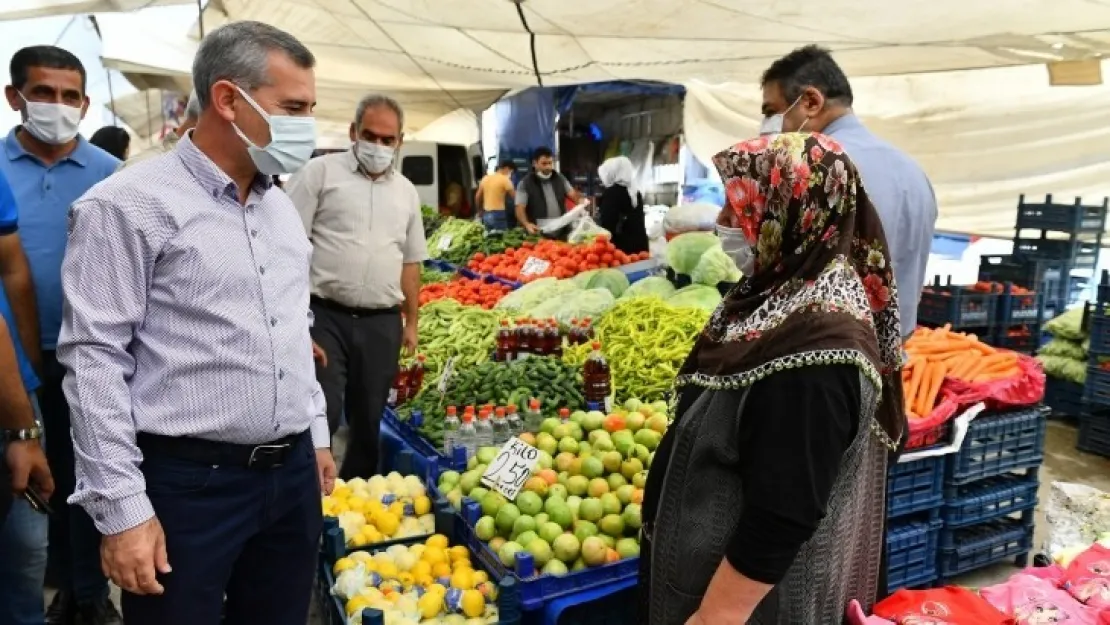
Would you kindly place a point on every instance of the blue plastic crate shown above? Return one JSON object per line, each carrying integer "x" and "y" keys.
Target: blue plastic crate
{"x": 1097, "y": 389}
{"x": 1099, "y": 332}
{"x": 537, "y": 591}
{"x": 975, "y": 547}
{"x": 914, "y": 486}
{"x": 615, "y": 604}
{"x": 421, "y": 446}
{"x": 956, "y": 305}
{"x": 1072, "y": 218}
{"x": 1077, "y": 254}
{"x": 1024, "y": 340}
{"x": 911, "y": 553}
{"x": 334, "y": 612}
{"x": 989, "y": 499}
{"x": 998, "y": 443}
{"x": 1039, "y": 275}
{"x": 1094, "y": 433}
{"x": 398, "y": 455}
{"x": 1064, "y": 397}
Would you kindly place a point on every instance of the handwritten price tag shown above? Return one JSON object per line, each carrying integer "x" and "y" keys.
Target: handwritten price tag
{"x": 445, "y": 377}
{"x": 444, "y": 243}
{"x": 511, "y": 468}
{"x": 534, "y": 266}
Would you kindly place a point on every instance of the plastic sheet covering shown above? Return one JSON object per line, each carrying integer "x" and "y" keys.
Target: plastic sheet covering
{"x": 1077, "y": 515}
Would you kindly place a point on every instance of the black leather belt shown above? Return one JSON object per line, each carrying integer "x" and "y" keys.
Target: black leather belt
{"x": 354, "y": 311}
{"x": 265, "y": 456}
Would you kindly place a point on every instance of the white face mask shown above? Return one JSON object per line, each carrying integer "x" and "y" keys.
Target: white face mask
{"x": 51, "y": 123}
{"x": 773, "y": 125}
{"x": 543, "y": 175}
{"x": 292, "y": 140}
{"x": 736, "y": 246}
{"x": 375, "y": 157}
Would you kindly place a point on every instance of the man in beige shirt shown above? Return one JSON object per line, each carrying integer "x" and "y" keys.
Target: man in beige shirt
{"x": 493, "y": 192}
{"x": 192, "y": 114}
{"x": 363, "y": 219}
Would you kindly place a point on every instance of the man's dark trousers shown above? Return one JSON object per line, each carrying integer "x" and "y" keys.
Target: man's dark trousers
{"x": 251, "y": 533}
{"x": 362, "y": 347}
{"x": 74, "y": 551}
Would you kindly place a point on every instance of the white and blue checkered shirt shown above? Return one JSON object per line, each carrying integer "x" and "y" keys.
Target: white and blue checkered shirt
{"x": 186, "y": 314}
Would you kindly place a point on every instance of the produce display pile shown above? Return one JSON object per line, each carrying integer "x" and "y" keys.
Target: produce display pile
{"x": 1065, "y": 357}
{"x": 448, "y": 329}
{"x": 700, "y": 256}
{"x": 456, "y": 240}
{"x": 938, "y": 353}
{"x": 496, "y": 242}
{"x": 559, "y": 259}
{"x": 645, "y": 340}
{"x": 554, "y": 383}
{"x": 431, "y": 218}
{"x": 430, "y": 582}
{"x": 432, "y": 276}
{"x": 581, "y": 506}
{"x": 475, "y": 292}
{"x": 380, "y": 508}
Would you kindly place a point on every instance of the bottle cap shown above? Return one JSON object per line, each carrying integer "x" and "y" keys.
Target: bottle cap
{"x": 451, "y": 410}
{"x": 499, "y": 412}
{"x": 467, "y": 418}
{"x": 511, "y": 407}
{"x": 534, "y": 404}
{"x": 596, "y": 345}
{"x": 421, "y": 358}
{"x": 564, "y": 412}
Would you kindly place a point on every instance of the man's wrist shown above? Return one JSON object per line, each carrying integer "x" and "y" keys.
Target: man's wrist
{"x": 115, "y": 516}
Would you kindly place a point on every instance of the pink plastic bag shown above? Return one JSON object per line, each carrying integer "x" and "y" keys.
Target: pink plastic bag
{"x": 1034, "y": 601}
{"x": 856, "y": 616}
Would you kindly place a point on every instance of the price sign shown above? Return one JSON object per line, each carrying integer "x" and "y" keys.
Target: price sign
{"x": 444, "y": 243}
{"x": 511, "y": 468}
{"x": 534, "y": 266}
{"x": 445, "y": 377}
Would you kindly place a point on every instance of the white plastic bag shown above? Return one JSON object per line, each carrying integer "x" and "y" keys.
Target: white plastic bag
{"x": 553, "y": 226}
{"x": 1077, "y": 515}
{"x": 586, "y": 229}
{"x": 693, "y": 217}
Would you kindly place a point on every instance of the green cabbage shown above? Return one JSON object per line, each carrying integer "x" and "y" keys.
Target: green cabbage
{"x": 685, "y": 250}
{"x": 612, "y": 279}
{"x": 535, "y": 293}
{"x": 588, "y": 303}
{"x": 1068, "y": 325}
{"x": 1065, "y": 349}
{"x": 714, "y": 267}
{"x": 583, "y": 279}
{"x": 696, "y": 296}
{"x": 657, "y": 286}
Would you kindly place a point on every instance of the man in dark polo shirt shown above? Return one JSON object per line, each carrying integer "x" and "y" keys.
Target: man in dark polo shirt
{"x": 542, "y": 193}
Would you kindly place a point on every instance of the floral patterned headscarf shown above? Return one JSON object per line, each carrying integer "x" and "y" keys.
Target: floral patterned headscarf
{"x": 822, "y": 290}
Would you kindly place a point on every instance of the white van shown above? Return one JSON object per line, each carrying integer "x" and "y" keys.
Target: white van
{"x": 434, "y": 167}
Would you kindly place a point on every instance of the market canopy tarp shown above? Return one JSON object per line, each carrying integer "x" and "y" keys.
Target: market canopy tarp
{"x": 27, "y": 9}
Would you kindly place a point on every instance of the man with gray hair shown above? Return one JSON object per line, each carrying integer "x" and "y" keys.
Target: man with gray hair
{"x": 201, "y": 433}
{"x": 192, "y": 114}
{"x": 363, "y": 219}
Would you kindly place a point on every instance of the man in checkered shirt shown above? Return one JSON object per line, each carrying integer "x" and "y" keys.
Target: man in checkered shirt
{"x": 201, "y": 434}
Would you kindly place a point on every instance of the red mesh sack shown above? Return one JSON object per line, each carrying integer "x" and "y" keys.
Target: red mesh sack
{"x": 1025, "y": 388}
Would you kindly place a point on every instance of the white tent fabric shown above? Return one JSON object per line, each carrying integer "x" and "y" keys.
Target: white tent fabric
{"x": 984, "y": 137}
{"x": 26, "y": 9}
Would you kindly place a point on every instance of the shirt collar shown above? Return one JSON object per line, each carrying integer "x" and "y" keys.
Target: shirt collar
{"x": 14, "y": 150}
{"x": 212, "y": 178}
{"x": 848, "y": 121}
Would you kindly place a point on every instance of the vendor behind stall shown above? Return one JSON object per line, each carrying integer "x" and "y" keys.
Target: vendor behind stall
{"x": 542, "y": 193}
{"x": 620, "y": 210}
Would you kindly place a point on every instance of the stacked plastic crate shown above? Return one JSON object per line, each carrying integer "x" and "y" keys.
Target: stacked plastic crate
{"x": 1094, "y": 421}
{"x": 990, "y": 492}
{"x": 915, "y": 495}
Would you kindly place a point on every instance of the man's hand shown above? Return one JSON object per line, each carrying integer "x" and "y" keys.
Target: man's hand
{"x": 28, "y": 466}
{"x": 325, "y": 467}
{"x": 531, "y": 228}
{"x": 133, "y": 557}
{"x": 319, "y": 355}
{"x": 409, "y": 339}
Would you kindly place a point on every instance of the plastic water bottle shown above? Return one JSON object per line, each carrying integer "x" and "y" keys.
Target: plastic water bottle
{"x": 484, "y": 429}
{"x": 451, "y": 426}
{"x": 533, "y": 418}
{"x": 467, "y": 437}
{"x": 500, "y": 427}
{"x": 516, "y": 425}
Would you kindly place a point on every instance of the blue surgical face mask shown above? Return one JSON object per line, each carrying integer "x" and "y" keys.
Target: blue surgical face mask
{"x": 292, "y": 141}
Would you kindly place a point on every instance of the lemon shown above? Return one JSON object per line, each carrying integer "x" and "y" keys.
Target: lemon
{"x": 435, "y": 555}
{"x": 397, "y": 509}
{"x": 473, "y": 603}
{"x": 480, "y": 577}
{"x": 421, "y": 568}
{"x": 341, "y": 491}
{"x": 462, "y": 579}
{"x": 343, "y": 564}
{"x": 373, "y": 507}
{"x": 437, "y": 540}
{"x": 430, "y": 605}
{"x": 356, "y": 503}
{"x": 406, "y": 580}
{"x": 461, "y": 564}
{"x": 441, "y": 569}
{"x": 458, "y": 552}
{"x": 358, "y": 540}
{"x": 340, "y": 508}
{"x": 422, "y": 505}
{"x": 423, "y": 579}
{"x": 388, "y": 523}
{"x": 371, "y": 534}
{"x": 437, "y": 589}
{"x": 357, "y": 604}
{"x": 387, "y": 570}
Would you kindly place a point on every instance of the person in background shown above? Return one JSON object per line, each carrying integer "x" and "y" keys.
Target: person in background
{"x": 192, "y": 114}
{"x": 23, "y": 535}
{"x": 541, "y": 194}
{"x": 363, "y": 219}
{"x": 807, "y": 90}
{"x": 49, "y": 165}
{"x": 201, "y": 430}
{"x": 769, "y": 508}
{"x": 495, "y": 192}
{"x": 620, "y": 209}
{"x": 113, "y": 140}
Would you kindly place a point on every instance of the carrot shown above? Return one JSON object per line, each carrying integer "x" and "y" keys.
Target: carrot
{"x": 929, "y": 398}
{"x": 917, "y": 374}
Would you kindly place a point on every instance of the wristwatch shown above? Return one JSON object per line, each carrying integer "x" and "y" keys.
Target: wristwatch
{"x": 24, "y": 434}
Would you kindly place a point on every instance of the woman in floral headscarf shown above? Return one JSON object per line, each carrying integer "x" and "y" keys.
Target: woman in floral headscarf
{"x": 765, "y": 503}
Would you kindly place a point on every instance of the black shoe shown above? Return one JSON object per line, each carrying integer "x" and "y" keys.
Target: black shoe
{"x": 100, "y": 613}
{"x": 62, "y": 610}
